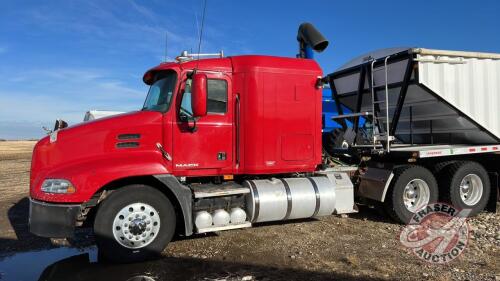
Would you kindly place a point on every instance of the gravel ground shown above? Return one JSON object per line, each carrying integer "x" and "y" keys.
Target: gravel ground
{"x": 363, "y": 246}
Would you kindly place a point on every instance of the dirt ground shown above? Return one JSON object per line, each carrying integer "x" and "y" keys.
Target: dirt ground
{"x": 363, "y": 246}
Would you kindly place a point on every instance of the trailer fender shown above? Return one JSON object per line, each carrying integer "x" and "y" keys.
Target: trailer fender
{"x": 184, "y": 197}
{"x": 494, "y": 193}
{"x": 374, "y": 183}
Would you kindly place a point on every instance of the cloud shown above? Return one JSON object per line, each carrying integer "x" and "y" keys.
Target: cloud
{"x": 91, "y": 54}
{"x": 123, "y": 26}
{"x": 23, "y": 112}
{"x": 66, "y": 74}
{"x": 144, "y": 11}
{"x": 46, "y": 94}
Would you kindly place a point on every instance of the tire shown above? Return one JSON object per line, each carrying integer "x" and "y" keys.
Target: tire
{"x": 451, "y": 180}
{"x": 150, "y": 208}
{"x": 415, "y": 177}
{"x": 332, "y": 141}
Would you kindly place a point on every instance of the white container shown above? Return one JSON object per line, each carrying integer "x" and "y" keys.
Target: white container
{"x": 221, "y": 217}
{"x": 203, "y": 219}
{"x": 96, "y": 114}
{"x": 238, "y": 216}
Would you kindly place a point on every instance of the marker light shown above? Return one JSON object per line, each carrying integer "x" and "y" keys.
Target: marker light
{"x": 57, "y": 186}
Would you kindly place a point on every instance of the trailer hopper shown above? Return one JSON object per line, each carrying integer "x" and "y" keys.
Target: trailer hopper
{"x": 435, "y": 96}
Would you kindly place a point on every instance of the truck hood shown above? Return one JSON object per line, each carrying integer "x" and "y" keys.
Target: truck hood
{"x": 93, "y": 141}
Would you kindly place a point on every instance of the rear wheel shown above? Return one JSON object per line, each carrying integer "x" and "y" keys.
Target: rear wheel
{"x": 466, "y": 185}
{"x": 412, "y": 188}
{"x": 134, "y": 223}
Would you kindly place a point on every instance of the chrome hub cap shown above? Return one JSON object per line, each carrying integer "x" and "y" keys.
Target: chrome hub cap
{"x": 136, "y": 225}
{"x": 416, "y": 195}
{"x": 471, "y": 189}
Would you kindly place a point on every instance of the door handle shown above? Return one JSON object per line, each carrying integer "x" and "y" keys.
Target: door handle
{"x": 221, "y": 156}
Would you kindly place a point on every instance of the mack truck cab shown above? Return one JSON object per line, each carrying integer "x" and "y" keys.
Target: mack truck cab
{"x": 220, "y": 143}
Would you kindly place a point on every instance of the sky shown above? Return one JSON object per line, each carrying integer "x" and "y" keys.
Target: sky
{"x": 59, "y": 59}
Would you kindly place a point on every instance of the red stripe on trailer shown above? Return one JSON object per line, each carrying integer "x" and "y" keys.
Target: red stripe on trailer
{"x": 495, "y": 148}
{"x": 472, "y": 150}
{"x": 484, "y": 148}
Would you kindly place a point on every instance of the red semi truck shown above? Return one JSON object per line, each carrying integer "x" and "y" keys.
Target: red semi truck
{"x": 222, "y": 143}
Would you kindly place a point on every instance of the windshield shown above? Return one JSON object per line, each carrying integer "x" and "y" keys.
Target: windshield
{"x": 160, "y": 93}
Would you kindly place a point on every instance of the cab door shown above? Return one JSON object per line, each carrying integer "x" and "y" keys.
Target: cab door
{"x": 204, "y": 146}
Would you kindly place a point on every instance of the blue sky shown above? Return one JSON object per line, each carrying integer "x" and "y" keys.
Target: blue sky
{"x": 59, "y": 59}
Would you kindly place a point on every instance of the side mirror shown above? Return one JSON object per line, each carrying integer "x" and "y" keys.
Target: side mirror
{"x": 199, "y": 95}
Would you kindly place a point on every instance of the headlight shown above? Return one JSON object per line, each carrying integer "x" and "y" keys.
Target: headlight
{"x": 57, "y": 186}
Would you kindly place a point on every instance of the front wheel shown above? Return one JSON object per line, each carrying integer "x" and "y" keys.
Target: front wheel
{"x": 412, "y": 188}
{"x": 134, "y": 223}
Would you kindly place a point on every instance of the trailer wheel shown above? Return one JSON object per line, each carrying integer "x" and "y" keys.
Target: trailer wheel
{"x": 412, "y": 188}
{"x": 134, "y": 223}
{"x": 466, "y": 185}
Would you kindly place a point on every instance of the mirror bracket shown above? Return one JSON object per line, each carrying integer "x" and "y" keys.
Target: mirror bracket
{"x": 188, "y": 120}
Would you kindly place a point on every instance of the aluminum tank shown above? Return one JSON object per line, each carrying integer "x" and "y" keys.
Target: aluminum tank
{"x": 290, "y": 198}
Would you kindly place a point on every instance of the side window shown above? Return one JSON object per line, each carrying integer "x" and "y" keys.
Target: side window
{"x": 217, "y": 96}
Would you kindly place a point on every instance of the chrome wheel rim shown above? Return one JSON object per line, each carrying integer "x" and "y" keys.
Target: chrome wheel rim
{"x": 416, "y": 195}
{"x": 471, "y": 189}
{"x": 136, "y": 225}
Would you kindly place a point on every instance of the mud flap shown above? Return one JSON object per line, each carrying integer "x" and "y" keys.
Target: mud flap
{"x": 495, "y": 194}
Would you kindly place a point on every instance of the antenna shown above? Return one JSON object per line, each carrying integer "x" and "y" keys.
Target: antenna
{"x": 201, "y": 31}
{"x": 197, "y": 25}
{"x": 166, "y": 46}
{"x": 186, "y": 56}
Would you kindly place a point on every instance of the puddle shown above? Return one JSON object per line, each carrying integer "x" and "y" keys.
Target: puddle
{"x": 82, "y": 264}
{"x": 27, "y": 266}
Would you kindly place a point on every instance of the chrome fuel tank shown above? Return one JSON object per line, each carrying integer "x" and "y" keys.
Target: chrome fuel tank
{"x": 290, "y": 198}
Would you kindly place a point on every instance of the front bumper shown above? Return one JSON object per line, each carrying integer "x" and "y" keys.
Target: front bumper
{"x": 52, "y": 220}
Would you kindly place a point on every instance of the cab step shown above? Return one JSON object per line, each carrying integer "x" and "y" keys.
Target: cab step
{"x": 226, "y": 227}
{"x": 218, "y": 190}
